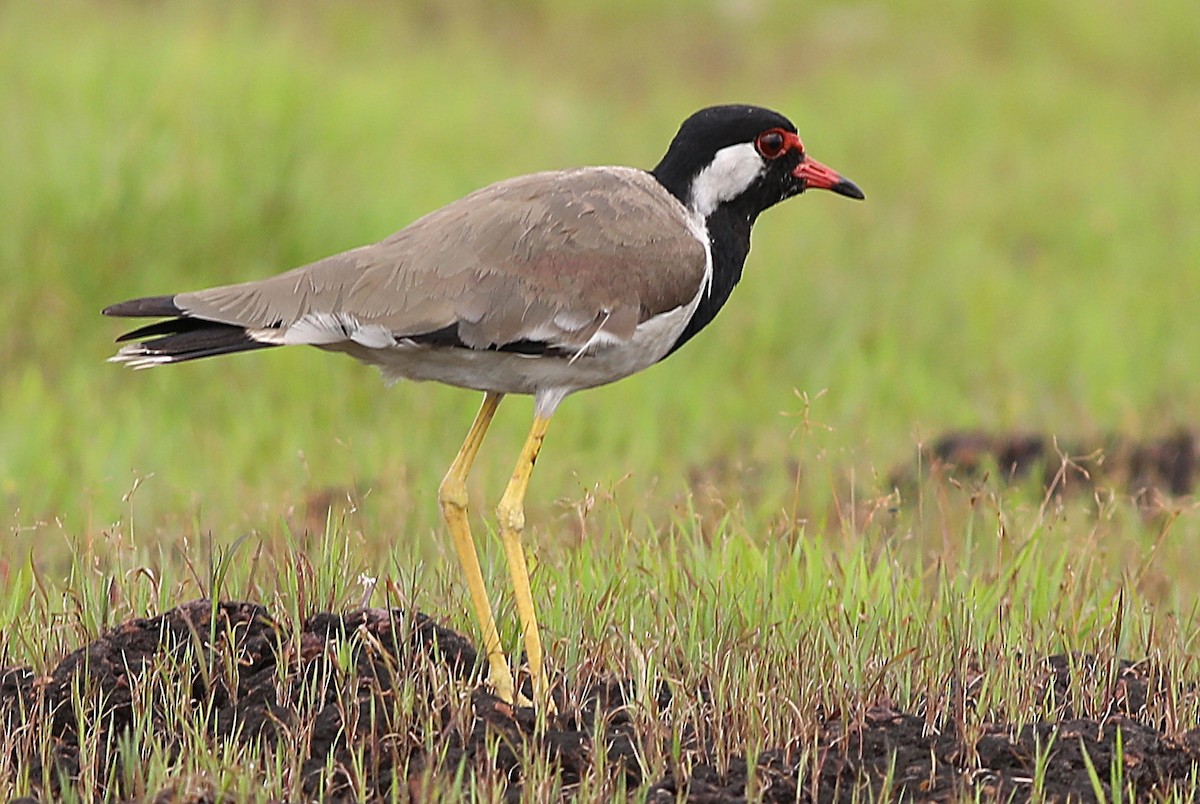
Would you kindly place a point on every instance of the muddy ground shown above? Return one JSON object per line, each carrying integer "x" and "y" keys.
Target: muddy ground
{"x": 266, "y": 701}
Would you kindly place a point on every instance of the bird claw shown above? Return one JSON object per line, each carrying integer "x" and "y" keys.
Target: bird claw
{"x": 518, "y": 699}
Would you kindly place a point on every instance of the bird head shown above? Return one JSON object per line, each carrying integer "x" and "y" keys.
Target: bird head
{"x": 743, "y": 155}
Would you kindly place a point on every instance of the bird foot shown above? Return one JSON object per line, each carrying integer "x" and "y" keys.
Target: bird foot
{"x": 518, "y": 699}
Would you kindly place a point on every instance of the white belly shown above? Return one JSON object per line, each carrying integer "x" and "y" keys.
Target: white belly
{"x": 549, "y": 379}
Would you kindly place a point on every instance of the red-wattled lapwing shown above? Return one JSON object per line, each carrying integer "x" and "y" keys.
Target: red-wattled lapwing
{"x": 542, "y": 284}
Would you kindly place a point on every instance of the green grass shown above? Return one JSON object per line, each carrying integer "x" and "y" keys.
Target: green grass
{"x": 1026, "y": 259}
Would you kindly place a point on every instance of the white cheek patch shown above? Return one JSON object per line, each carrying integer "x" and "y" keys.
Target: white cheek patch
{"x": 730, "y": 174}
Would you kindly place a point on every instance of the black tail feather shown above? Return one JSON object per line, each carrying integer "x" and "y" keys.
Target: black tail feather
{"x": 147, "y": 307}
{"x": 184, "y": 339}
{"x": 175, "y": 326}
{"x": 177, "y": 339}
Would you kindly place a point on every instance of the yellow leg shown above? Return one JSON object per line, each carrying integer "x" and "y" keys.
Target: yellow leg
{"x": 511, "y": 513}
{"x": 452, "y": 495}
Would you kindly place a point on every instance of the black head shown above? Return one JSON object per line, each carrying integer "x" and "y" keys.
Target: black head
{"x": 746, "y": 155}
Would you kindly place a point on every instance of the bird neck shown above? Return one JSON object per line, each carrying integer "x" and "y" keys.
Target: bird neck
{"x": 675, "y": 175}
{"x": 729, "y": 242}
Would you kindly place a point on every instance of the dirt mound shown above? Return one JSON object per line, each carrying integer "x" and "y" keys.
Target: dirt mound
{"x": 329, "y": 692}
{"x": 1142, "y": 469}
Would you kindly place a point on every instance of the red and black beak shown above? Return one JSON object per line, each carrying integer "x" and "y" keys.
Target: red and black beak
{"x": 817, "y": 176}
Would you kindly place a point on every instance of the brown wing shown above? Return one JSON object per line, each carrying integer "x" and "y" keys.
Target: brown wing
{"x": 551, "y": 257}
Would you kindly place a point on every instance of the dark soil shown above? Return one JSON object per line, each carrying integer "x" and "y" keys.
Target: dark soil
{"x": 330, "y": 685}
{"x": 1146, "y": 469}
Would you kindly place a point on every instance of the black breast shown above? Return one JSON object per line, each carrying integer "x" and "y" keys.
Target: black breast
{"x": 729, "y": 235}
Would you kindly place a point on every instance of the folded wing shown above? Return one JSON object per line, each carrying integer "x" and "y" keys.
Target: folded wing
{"x": 547, "y": 263}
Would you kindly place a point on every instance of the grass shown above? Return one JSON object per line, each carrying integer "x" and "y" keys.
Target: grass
{"x": 1024, "y": 260}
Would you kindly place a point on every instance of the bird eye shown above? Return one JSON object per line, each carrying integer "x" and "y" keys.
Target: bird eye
{"x": 771, "y": 144}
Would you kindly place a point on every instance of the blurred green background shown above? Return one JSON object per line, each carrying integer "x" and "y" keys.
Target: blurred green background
{"x": 1026, "y": 258}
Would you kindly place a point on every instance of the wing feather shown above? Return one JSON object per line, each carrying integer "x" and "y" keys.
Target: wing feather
{"x": 569, "y": 258}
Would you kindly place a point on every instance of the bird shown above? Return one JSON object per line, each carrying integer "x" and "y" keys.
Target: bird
{"x": 543, "y": 285}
